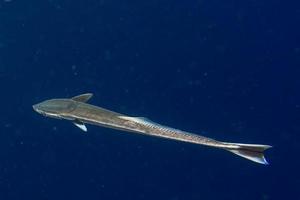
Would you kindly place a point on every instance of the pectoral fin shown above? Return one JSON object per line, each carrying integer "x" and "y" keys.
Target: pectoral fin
{"x": 83, "y": 97}
{"x": 80, "y": 125}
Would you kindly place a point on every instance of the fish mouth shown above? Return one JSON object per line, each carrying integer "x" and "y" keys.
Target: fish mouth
{"x": 36, "y": 108}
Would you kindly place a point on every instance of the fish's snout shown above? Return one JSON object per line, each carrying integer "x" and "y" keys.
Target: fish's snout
{"x": 36, "y": 108}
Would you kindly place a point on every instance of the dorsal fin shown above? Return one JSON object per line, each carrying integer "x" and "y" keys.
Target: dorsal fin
{"x": 82, "y": 97}
{"x": 149, "y": 123}
{"x": 142, "y": 120}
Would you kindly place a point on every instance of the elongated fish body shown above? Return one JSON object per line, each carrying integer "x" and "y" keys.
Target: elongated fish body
{"x": 79, "y": 112}
{"x": 98, "y": 116}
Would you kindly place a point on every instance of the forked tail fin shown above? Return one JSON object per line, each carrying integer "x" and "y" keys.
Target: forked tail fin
{"x": 254, "y": 152}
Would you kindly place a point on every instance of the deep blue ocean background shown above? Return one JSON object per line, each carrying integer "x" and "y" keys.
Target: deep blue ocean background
{"x": 224, "y": 69}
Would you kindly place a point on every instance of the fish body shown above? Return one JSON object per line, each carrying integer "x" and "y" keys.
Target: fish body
{"x": 78, "y": 111}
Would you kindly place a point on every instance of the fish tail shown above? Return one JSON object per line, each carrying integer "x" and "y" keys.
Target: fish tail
{"x": 253, "y": 152}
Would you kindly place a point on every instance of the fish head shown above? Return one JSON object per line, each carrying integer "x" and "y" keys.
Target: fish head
{"x": 55, "y": 108}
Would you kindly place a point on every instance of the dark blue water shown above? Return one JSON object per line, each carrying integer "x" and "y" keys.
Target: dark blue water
{"x": 225, "y": 69}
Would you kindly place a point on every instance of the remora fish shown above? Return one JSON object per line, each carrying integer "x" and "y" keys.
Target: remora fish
{"x": 79, "y": 112}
